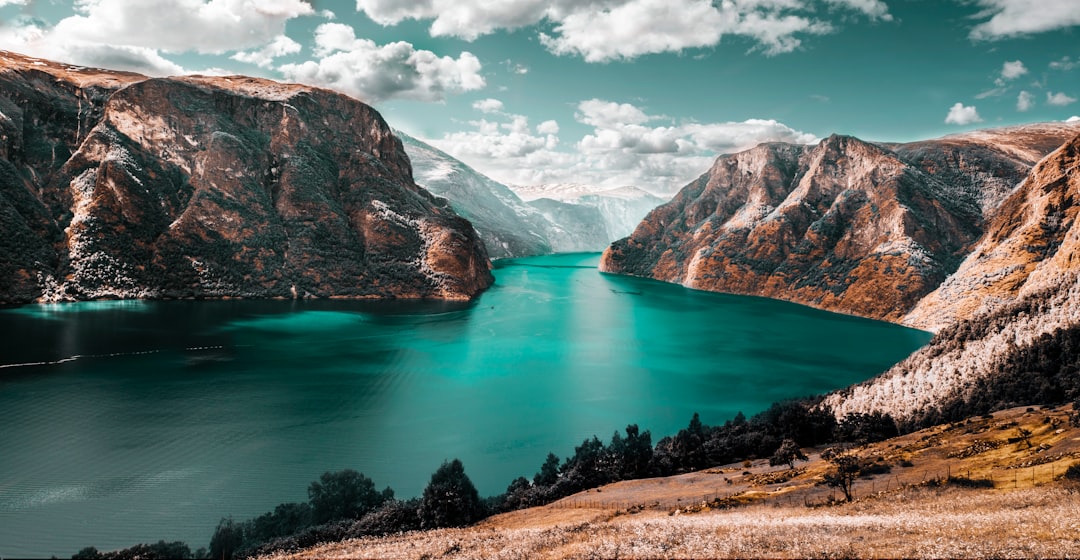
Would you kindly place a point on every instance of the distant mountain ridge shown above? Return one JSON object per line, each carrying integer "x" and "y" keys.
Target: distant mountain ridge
{"x": 621, "y": 208}
{"x": 508, "y": 226}
{"x": 513, "y": 224}
{"x": 847, "y": 225}
{"x": 114, "y": 185}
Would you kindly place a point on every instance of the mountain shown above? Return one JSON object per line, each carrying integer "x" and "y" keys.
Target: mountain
{"x": 847, "y": 225}
{"x": 844, "y": 226}
{"x": 573, "y": 228}
{"x": 621, "y": 209}
{"x": 1026, "y": 228}
{"x": 1009, "y": 317}
{"x": 517, "y": 222}
{"x": 113, "y": 185}
{"x": 986, "y": 165}
{"x": 508, "y": 226}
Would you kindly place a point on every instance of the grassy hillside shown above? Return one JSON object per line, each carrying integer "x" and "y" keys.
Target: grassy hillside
{"x": 990, "y": 486}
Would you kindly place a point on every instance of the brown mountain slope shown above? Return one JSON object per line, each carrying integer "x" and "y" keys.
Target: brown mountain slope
{"x": 1016, "y": 294}
{"x": 846, "y": 225}
{"x": 986, "y": 165}
{"x": 1027, "y": 241}
{"x": 115, "y": 186}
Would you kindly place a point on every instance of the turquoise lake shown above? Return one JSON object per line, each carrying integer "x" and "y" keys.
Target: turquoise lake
{"x": 128, "y": 422}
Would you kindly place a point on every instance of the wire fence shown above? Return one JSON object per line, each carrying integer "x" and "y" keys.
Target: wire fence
{"x": 792, "y": 494}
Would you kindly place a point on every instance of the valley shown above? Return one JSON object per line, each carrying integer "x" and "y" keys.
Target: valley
{"x": 393, "y": 293}
{"x": 174, "y": 414}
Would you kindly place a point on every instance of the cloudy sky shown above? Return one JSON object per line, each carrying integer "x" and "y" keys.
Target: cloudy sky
{"x": 610, "y": 92}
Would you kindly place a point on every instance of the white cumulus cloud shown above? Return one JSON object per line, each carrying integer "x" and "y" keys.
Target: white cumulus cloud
{"x": 1059, "y": 99}
{"x": 1013, "y": 70}
{"x": 1010, "y": 18}
{"x": 510, "y": 141}
{"x": 640, "y": 27}
{"x": 1072, "y": 119}
{"x": 547, "y": 127}
{"x": 962, "y": 115}
{"x": 876, "y": 9}
{"x": 732, "y": 137}
{"x": 264, "y": 57}
{"x": 36, "y": 39}
{"x": 635, "y": 28}
{"x": 1025, "y": 101}
{"x": 374, "y": 73}
{"x": 608, "y": 114}
{"x": 207, "y": 26}
{"x": 488, "y": 106}
{"x": 133, "y": 34}
{"x": 626, "y": 146}
{"x": 604, "y": 30}
{"x": 467, "y": 19}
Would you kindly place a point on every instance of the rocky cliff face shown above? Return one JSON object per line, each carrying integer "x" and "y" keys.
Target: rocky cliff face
{"x": 847, "y": 225}
{"x": 1015, "y": 295}
{"x": 117, "y": 186}
{"x": 1026, "y": 238}
{"x": 985, "y": 166}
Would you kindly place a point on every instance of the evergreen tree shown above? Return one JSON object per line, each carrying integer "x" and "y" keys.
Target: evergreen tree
{"x": 450, "y": 499}
{"x": 227, "y": 539}
{"x": 549, "y": 471}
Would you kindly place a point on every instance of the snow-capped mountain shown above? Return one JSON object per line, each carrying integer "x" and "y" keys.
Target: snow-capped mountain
{"x": 620, "y": 208}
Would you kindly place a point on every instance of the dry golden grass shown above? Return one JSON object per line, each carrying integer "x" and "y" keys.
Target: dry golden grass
{"x": 1030, "y": 512}
{"x": 914, "y": 522}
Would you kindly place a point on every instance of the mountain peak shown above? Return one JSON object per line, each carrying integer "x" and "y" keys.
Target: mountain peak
{"x": 845, "y": 225}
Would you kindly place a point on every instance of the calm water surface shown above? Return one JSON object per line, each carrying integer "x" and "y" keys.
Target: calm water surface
{"x": 161, "y": 417}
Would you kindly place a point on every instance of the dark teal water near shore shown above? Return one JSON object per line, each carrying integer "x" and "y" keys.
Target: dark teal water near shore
{"x": 128, "y": 422}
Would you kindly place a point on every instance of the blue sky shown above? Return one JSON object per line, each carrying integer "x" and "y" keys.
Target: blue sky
{"x": 607, "y": 92}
